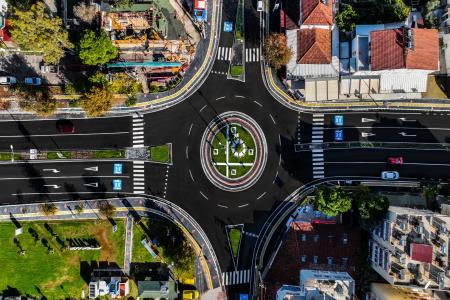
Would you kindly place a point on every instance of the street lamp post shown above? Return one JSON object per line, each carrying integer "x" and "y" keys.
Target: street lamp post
{"x": 12, "y": 153}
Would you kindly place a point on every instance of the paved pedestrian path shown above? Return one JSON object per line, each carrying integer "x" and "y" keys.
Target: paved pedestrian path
{"x": 128, "y": 251}
{"x": 236, "y": 277}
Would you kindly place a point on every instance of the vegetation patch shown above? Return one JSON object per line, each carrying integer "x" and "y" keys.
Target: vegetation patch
{"x": 235, "y": 238}
{"x": 108, "y": 154}
{"x": 236, "y": 71}
{"x": 37, "y": 262}
{"x": 59, "y": 155}
{"x": 160, "y": 153}
{"x": 8, "y": 155}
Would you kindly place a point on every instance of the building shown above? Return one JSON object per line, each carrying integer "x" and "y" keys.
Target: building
{"x": 158, "y": 290}
{"x": 320, "y": 285}
{"x": 113, "y": 287}
{"x": 384, "y": 291}
{"x": 314, "y": 41}
{"x": 410, "y": 249}
{"x": 391, "y": 58}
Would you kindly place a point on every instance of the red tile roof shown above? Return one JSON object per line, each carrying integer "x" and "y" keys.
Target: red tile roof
{"x": 5, "y": 35}
{"x": 422, "y": 252}
{"x": 390, "y": 49}
{"x": 316, "y": 12}
{"x": 314, "y": 46}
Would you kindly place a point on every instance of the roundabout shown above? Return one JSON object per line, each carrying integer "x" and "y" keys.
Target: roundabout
{"x": 233, "y": 151}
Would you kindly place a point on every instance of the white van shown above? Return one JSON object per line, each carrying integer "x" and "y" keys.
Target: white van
{"x": 8, "y": 80}
{"x": 260, "y": 6}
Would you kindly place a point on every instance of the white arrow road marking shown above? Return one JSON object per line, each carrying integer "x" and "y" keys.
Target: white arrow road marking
{"x": 55, "y": 186}
{"x": 51, "y": 170}
{"x": 405, "y": 134}
{"x": 366, "y": 134}
{"x": 93, "y": 169}
{"x": 365, "y": 120}
{"x": 406, "y": 120}
{"x": 93, "y": 184}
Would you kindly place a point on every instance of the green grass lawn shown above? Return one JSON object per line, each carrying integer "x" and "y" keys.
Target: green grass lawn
{"x": 160, "y": 153}
{"x": 38, "y": 272}
{"x": 235, "y": 236}
{"x": 249, "y": 142}
{"x": 236, "y": 71}
{"x": 54, "y": 154}
{"x": 108, "y": 154}
{"x": 7, "y": 156}
{"x": 240, "y": 171}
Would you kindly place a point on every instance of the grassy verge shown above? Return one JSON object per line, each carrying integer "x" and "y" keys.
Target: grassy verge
{"x": 7, "y": 156}
{"x": 160, "y": 153}
{"x": 239, "y": 33}
{"x": 235, "y": 238}
{"x": 40, "y": 273}
{"x": 247, "y": 138}
{"x": 108, "y": 154}
{"x": 54, "y": 154}
{"x": 236, "y": 71}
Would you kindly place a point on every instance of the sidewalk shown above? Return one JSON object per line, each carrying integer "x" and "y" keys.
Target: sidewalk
{"x": 133, "y": 208}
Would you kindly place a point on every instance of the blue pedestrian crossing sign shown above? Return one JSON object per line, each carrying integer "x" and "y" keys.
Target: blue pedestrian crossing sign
{"x": 227, "y": 26}
{"x": 117, "y": 184}
{"x": 338, "y": 135}
{"x": 338, "y": 120}
{"x": 117, "y": 168}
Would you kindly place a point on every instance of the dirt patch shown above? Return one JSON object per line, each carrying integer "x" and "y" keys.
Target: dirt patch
{"x": 108, "y": 252}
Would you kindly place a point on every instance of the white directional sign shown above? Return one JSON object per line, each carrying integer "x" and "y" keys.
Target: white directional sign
{"x": 365, "y": 120}
{"x": 93, "y": 169}
{"x": 51, "y": 170}
{"x": 405, "y": 134}
{"x": 367, "y": 134}
{"x": 93, "y": 184}
{"x": 55, "y": 186}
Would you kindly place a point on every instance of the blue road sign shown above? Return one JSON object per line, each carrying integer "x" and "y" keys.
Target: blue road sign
{"x": 227, "y": 26}
{"x": 338, "y": 135}
{"x": 338, "y": 120}
{"x": 243, "y": 296}
{"x": 117, "y": 184}
{"x": 117, "y": 168}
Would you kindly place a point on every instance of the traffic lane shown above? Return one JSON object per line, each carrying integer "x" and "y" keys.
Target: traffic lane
{"x": 388, "y": 134}
{"x": 408, "y": 119}
{"x": 25, "y": 190}
{"x": 57, "y": 168}
{"x": 67, "y": 141}
{"x": 50, "y": 127}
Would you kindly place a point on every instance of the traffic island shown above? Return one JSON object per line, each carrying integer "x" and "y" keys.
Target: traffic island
{"x": 234, "y": 235}
{"x": 237, "y": 63}
{"x": 233, "y": 151}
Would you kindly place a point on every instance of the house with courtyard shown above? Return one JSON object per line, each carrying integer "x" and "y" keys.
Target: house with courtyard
{"x": 313, "y": 39}
{"x": 149, "y": 289}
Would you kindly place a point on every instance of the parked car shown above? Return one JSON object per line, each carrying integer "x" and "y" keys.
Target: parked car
{"x": 260, "y": 6}
{"x": 65, "y": 126}
{"x": 8, "y": 80}
{"x": 390, "y": 175}
{"x": 33, "y": 81}
{"x": 395, "y": 160}
{"x": 191, "y": 294}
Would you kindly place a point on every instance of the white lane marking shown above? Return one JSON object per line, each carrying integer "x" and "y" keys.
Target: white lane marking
{"x": 65, "y": 134}
{"x": 187, "y": 152}
{"x": 61, "y": 177}
{"x": 243, "y": 205}
{"x": 257, "y": 103}
{"x": 239, "y": 96}
{"x": 203, "y": 195}
{"x": 390, "y": 127}
{"x": 192, "y": 177}
{"x": 279, "y": 139}
{"x": 223, "y": 97}
{"x": 190, "y": 128}
{"x": 279, "y": 160}
{"x": 382, "y": 162}
{"x": 276, "y": 176}
{"x": 223, "y": 206}
{"x": 203, "y": 107}
{"x": 62, "y": 193}
{"x": 273, "y": 120}
{"x": 260, "y": 196}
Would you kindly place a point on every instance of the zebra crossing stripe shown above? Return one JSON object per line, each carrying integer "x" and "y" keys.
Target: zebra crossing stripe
{"x": 236, "y": 277}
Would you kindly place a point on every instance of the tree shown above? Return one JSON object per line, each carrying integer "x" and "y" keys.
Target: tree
{"x": 276, "y": 51}
{"x": 36, "y": 30}
{"x": 85, "y": 12}
{"x": 121, "y": 3}
{"x": 97, "y": 101}
{"x": 392, "y": 10}
{"x": 96, "y": 49}
{"x": 99, "y": 79}
{"x": 372, "y": 208}
{"x": 332, "y": 201}
{"x": 37, "y": 99}
{"x": 48, "y": 209}
{"x": 346, "y": 18}
{"x": 123, "y": 84}
{"x": 430, "y": 17}
{"x": 106, "y": 209}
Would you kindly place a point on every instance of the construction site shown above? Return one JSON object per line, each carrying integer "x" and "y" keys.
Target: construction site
{"x": 156, "y": 41}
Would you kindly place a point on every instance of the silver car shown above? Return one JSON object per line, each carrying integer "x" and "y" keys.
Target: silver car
{"x": 390, "y": 175}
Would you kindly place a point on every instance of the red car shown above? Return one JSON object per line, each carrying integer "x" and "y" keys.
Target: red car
{"x": 65, "y": 126}
{"x": 395, "y": 160}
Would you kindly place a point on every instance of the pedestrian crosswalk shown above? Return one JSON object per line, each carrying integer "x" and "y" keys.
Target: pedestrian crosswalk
{"x": 317, "y": 138}
{"x": 236, "y": 277}
{"x": 252, "y": 55}
{"x": 138, "y": 177}
{"x": 224, "y": 53}
{"x": 138, "y": 130}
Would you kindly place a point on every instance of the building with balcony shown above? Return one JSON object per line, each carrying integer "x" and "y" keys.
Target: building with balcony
{"x": 410, "y": 249}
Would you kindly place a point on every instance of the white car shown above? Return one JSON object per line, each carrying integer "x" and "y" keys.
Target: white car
{"x": 260, "y": 6}
{"x": 7, "y": 80}
{"x": 33, "y": 81}
{"x": 390, "y": 175}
